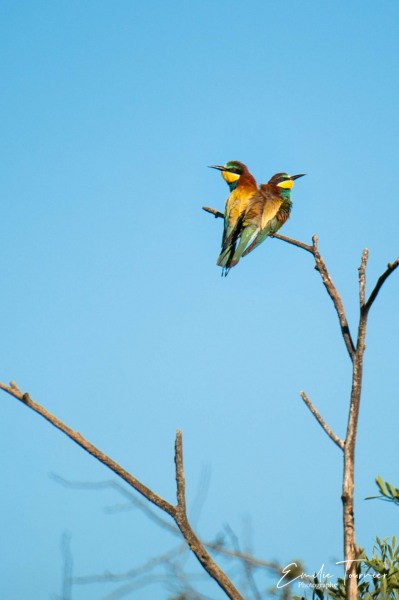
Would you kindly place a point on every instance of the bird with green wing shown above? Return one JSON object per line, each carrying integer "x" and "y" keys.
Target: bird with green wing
{"x": 243, "y": 188}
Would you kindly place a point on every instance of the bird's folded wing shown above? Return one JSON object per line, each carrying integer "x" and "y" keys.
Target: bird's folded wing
{"x": 268, "y": 223}
{"x": 270, "y": 210}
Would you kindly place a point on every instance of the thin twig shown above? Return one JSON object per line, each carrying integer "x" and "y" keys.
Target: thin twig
{"x": 288, "y": 240}
{"x": 322, "y": 422}
{"x": 180, "y": 482}
{"x": 145, "y": 580}
{"x": 362, "y": 278}
{"x": 136, "y": 572}
{"x": 67, "y": 567}
{"x": 133, "y": 499}
{"x": 214, "y": 212}
{"x": 390, "y": 269}
{"x": 274, "y": 567}
{"x": 247, "y": 567}
{"x": 335, "y": 297}
{"x": 181, "y": 582}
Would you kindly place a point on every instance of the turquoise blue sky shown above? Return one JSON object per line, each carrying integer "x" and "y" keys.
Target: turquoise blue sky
{"x": 114, "y": 315}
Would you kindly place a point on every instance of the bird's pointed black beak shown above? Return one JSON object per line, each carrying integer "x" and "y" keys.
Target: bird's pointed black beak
{"x": 297, "y": 176}
{"x": 219, "y": 167}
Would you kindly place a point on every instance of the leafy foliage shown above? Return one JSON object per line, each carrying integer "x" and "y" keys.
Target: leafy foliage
{"x": 388, "y": 491}
{"x": 378, "y": 575}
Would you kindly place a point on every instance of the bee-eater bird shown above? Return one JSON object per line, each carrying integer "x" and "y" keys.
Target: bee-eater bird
{"x": 243, "y": 188}
{"x": 266, "y": 212}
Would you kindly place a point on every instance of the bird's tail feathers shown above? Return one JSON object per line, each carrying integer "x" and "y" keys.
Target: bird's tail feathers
{"x": 251, "y": 247}
{"x": 248, "y": 236}
{"x": 229, "y": 247}
{"x": 225, "y": 256}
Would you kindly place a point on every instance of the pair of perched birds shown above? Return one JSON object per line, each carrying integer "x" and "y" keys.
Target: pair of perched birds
{"x": 251, "y": 213}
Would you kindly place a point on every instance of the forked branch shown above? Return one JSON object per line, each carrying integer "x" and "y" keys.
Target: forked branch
{"x": 177, "y": 512}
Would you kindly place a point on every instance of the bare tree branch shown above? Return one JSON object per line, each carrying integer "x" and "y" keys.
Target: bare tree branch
{"x": 335, "y": 297}
{"x": 192, "y": 540}
{"x": 321, "y": 421}
{"x": 180, "y": 482}
{"x": 145, "y": 568}
{"x": 274, "y": 567}
{"x": 14, "y": 391}
{"x": 214, "y": 212}
{"x": 135, "y": 584}
{"x": 67, "y": 567}
{"x": 181, "y": 583}
{"x": 246, "y": 565}
{"x": 362, "y": 278}
{"x": 293, "y": 242}
{"x": 132, "y": 499}
{"x": 178, "y": 512}
{"x": 348, "y": 483}
{"x": 390, "y": 269}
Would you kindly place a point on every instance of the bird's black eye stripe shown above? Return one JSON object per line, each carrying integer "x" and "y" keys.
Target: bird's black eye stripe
{"x": 235, "y": 170}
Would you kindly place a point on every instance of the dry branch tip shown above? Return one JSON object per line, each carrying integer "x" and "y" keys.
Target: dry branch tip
{"x": 321, "y": 421}
{"x": 14, "y": 386}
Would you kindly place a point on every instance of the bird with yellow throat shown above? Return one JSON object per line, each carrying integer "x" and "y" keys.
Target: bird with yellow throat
{"x": 243, "y": 188}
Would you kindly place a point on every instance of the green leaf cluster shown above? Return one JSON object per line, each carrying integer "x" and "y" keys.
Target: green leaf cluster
{"x": 388, "y": 491}
{"x": 377, "y": 575}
